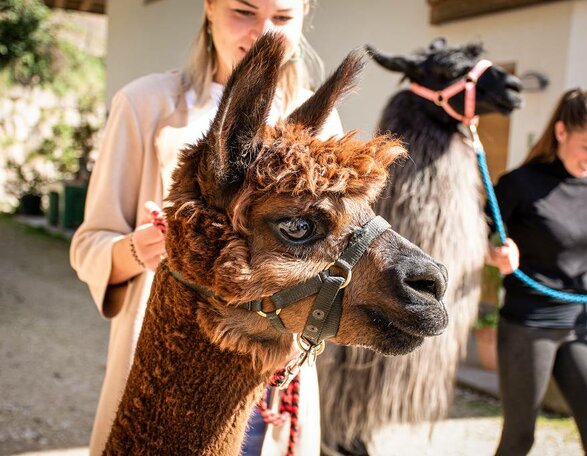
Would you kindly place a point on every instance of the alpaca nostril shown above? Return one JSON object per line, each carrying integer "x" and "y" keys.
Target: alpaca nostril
{"x": 443, "y": 271}
{"x": 431, "y": 281}
{"x": 425, "y": 286}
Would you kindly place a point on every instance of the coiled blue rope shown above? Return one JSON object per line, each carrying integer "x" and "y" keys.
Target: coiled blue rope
{"x": 498, "y": 221}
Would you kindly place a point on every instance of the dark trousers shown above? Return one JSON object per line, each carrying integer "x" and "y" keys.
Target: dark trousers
{"x": 527, "y": 358}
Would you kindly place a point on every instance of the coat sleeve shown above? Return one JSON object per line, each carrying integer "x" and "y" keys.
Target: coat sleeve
{"x": 507, "y": 192}
{"x": 111, "y": 205}
{"x": 508, "y": 195}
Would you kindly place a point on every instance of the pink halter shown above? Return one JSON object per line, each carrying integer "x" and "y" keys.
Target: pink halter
{"x": 468, "y": 83}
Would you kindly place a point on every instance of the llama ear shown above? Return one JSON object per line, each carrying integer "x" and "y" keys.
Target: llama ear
{"x": 236, "y": 133}
{"x": 315, "y": 110}
{"x": 405, "y": 65}
{"x": 437, "y": 44}
{"x": 474, "y": 50}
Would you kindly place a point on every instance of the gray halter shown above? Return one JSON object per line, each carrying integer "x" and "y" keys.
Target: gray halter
{"x": 324, "y": 318}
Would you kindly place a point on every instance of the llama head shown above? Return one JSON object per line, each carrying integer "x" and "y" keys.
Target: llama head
{"x": 256, "y": 209}
{"x": 441, "y": 65}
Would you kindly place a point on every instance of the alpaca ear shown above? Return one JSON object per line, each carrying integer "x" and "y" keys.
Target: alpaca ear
{"x": 405, "y": 65}
{"x": 313, "y": 113}
{"x": 236, "y": 133}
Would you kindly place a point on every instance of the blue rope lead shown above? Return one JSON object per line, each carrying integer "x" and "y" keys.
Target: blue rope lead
{"x": 498, "y": 221}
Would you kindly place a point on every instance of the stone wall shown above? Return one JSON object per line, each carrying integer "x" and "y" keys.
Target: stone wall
{"x": 27, "y": 117}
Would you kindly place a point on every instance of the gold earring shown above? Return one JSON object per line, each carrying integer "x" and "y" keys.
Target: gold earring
{"x": 300, "y": 54}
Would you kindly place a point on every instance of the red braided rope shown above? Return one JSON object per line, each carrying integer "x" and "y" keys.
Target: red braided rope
{"x": 288, "y": 405}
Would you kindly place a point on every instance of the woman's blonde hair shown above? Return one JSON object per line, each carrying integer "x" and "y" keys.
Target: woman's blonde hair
{"x": 304, "y": 71}
{"x": 571, "y": 110}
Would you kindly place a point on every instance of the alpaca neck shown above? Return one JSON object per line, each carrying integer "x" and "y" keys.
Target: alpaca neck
{"x": 184, "y": 395}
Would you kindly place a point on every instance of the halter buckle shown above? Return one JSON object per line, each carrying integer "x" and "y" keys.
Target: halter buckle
{"x": 292, "y": 369}
{"x": 312, "y": 351}
{"x": 348, "y": 272}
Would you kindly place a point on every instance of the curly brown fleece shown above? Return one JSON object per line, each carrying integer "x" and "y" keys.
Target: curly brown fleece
{"x": 201, "y": 362}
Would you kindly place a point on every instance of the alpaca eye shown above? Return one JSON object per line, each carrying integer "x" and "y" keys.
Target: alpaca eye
{"x": 297, "y": 229}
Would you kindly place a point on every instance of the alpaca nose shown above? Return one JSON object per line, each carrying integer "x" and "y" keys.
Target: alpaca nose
{"x": 426, "y": 279}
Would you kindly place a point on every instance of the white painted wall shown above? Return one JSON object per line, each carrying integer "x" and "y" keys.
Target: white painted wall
{"x": 548, "y": 38}
{"x": 577, "y": 56}
{"x": 147, "y": 38}
{"x": 397, "y": 26}
{"x": 534, "y": 38}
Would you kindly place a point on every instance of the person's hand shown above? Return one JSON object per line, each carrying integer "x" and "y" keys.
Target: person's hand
{"x": 506, "y": 258}
{"x": 149, "y": 245}
{"x": 157, "y": 216}
{"x": 148, "y": 239}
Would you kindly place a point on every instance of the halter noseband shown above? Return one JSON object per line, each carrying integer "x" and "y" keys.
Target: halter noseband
{"x": 324, "y": 317}
{"x": 468, "y": 83}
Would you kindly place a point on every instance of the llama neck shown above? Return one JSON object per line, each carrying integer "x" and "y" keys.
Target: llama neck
{"x": 425, "y": 128}
{"x": 184, "y": 395}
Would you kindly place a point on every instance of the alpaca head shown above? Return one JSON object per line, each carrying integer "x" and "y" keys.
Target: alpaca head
{"x": 441, "y": 65}
{"x": 255, "y": 209}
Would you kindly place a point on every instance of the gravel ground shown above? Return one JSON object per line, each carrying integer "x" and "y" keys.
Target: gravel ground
{"x": 472, "y": 429}
{"x": 52, "y": 345}
{"x": 53, "y": 348}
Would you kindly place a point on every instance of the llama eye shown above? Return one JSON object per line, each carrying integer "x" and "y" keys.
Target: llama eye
{"x": 297, "y": 229}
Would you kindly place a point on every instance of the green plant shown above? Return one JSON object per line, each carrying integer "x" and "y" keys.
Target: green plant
{"x": 491, "y": 284}
{"x": 62, "y": 156}
{"x": 84, "y": 138}
{"x": 24, "y": 178}
{"x": 28, "y": 45}
{"x": 487, "y": 318}
{"x": 34, "y": 44}
{"x": 82, "y": 72}
{"x": 33, "y": 51}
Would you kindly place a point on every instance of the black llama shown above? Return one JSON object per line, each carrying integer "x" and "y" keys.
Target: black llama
{"x": 434, "y": 199}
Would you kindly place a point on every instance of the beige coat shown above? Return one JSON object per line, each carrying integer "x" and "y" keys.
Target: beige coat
{"x": 149, "y": 122}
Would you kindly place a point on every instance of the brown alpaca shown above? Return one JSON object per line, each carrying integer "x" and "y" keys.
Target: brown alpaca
{"x": 255, "y": 210}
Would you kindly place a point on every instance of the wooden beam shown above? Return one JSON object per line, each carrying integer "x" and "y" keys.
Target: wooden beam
{"x": 442, "y": 11}
{"x": 86, "y": 5}
{"x": 90, "y": 6}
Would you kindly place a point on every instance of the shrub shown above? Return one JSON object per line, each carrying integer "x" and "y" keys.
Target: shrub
{"x": 28, "y": 44}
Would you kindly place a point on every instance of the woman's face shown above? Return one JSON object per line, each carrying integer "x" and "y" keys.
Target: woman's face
{"x": 572, "y": 149}
{"x": 236, "y": 24}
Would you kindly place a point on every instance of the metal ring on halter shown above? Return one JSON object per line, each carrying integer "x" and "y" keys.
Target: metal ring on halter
{"x": 346, "y": 269}
{"x": 263, "y": 314}
{"x": 306, "y": 346}
{"x": 439, "y": 100}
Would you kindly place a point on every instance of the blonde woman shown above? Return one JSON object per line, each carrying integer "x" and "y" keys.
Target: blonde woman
{"x": 117, "y": 248}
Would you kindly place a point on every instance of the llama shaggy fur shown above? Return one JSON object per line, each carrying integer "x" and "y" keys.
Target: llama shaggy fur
{"x": 434, "y": 199}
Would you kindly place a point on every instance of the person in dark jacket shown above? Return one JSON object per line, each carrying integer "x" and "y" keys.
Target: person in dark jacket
{"x": 544, "y": 207}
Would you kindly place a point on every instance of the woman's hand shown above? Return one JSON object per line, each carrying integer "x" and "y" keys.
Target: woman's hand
{"x": 141, "y": 249}
{"x": 506, "y": 258}
{"x": 149, "y": 245}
